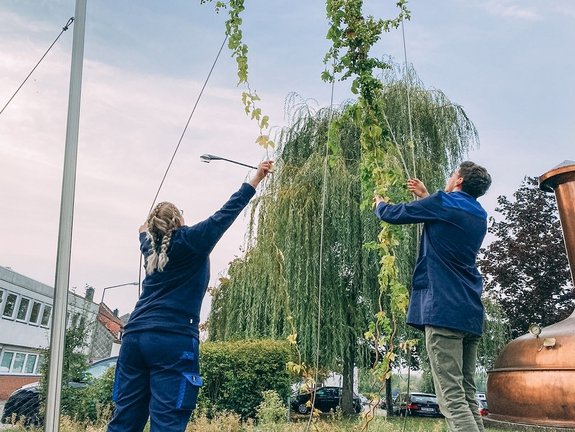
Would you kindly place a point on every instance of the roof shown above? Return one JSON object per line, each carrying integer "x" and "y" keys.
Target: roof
{"x": 110, "y": 321}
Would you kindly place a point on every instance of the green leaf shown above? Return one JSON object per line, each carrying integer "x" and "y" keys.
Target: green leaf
{"x": 264, "y": 123}
{"x": 263, "y": 140}
{"x": 256, "y": 113}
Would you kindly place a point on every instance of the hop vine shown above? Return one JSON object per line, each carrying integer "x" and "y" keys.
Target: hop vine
{"x": 239, "y": 51}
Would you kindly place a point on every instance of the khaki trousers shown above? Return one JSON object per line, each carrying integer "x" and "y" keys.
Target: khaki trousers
{"x": 452, "y": 355}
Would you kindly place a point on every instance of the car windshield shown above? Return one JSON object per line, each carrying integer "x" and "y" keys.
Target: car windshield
{"x": 99, "y": 368}
{"x": 423, "y": 399}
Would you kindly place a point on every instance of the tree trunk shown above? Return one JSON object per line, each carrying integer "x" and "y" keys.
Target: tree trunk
{"x": 388, "y": 398}
{"x": 347, "y": 375}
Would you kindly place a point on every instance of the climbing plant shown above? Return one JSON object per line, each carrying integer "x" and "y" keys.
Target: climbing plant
{"x": 270, "y": 290}
{"x": 239, "y": 50}
{"x": 273, "y": 289}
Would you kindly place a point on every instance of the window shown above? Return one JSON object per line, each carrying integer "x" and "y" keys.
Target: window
{"x": 1, "y": 296}
{"x": 30, "y": 363}
{"x": 19, "y": 363}
{"x": 6, "y": 361}
{"x": 40, "y": 364}
{"x": 10, "y": 305}
{"x": 23, "y": 309}
{"x": 46, "y": 313}
{"x": 35, "y": 314}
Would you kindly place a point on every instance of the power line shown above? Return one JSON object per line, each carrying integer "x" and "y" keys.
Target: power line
{"x": 68, "y": 24}
{"x": 188, "y": 122}
{"x": 178, "y": 146}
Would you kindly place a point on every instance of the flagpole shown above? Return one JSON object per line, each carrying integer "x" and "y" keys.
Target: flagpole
{"x": 61, "y": 283}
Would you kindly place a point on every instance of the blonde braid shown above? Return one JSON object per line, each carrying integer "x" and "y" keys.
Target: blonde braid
{"x": 163, "y": 258}
{"x": 163, "y": 220}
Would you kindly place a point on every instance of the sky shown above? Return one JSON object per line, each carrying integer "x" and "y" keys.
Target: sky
{"x": 509, "y": 63}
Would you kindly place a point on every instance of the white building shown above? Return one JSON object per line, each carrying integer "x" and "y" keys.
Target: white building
{"x": 26, "y": 309}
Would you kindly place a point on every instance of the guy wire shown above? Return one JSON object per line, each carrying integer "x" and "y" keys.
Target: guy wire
{"x": 178, "y": 146}
{"x": 418, "y": 227}
{"x": 408, "y": 101}
{"x": 320, "y": 272}
{"x": 68, "y": 24}
{"x": 188, "y": 122}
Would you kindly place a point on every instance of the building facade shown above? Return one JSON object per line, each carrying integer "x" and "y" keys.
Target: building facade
{"x": 26, "y": 309}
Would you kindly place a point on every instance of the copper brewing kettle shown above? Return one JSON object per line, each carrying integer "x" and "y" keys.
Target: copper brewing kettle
{"x": 533, "y": 380}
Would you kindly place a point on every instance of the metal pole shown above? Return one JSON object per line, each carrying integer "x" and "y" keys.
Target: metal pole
{"x": 66, "y": 221}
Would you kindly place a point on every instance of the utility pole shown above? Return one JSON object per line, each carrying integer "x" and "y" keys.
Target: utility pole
{"x": 62, "y": 280}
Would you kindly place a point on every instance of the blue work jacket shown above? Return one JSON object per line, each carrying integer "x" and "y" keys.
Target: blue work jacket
{"x": 446, "y": 286}
{"x": 171, "y": 299}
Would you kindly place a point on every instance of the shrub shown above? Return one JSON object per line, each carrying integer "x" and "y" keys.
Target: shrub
{"x": 271, "y": 409}
{"x": 91, "y": 404}
{"x": 236, "y": 373}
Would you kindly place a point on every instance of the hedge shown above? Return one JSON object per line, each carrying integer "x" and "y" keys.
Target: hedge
{"x": 236, "y": 373}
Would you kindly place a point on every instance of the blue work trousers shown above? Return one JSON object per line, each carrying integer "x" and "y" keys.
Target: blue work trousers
{"x": 157, "y": 376}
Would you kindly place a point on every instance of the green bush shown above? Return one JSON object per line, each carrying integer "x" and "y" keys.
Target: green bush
{"x": 236, "y": 373}
{"x": 271, "y": 409}
{"x": 91, "y": 404}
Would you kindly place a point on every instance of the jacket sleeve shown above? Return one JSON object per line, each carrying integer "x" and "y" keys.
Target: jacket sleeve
{"x": 424, "y": 210}
{"x": 203, "y": 236}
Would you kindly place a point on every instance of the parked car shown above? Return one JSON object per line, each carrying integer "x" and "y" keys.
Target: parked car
{"x": 25, "y": 401}
{"x": 417, "y": 404}
{"x": 383, "y": 402}
{"x": 483, "y": 408}
{"x": 326, "y": 399}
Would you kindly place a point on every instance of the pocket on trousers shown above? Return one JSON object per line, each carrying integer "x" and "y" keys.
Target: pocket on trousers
{"x": 189, "y": 387}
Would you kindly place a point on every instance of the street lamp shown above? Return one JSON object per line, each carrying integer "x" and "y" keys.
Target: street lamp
{"x": 207, "y": 158}
{"x": 116, "y": 286}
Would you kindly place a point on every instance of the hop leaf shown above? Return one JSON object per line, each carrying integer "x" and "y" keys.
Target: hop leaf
{"x": 263, "y": 140}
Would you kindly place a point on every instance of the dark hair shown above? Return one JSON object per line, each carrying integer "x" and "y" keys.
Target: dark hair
{"x": 476, "y": 179}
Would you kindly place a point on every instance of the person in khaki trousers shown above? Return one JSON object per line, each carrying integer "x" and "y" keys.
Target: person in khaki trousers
{"x": 446, "y": 286}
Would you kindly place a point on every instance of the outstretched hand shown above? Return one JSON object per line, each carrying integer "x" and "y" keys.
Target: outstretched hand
{"x": 416, "y": 187}
{"x": 378, "y": 199}
{"x": 264, "y": 168}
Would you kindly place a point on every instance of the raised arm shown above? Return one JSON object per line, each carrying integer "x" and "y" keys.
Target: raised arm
{"x": 207, "y": 233}
{"x": 426, "y": 209}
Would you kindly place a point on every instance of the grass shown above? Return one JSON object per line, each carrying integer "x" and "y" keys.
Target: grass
{"x": 231, "y": 423}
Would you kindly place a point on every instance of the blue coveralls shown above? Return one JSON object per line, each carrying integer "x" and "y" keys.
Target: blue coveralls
{"x": 158, "y": 373}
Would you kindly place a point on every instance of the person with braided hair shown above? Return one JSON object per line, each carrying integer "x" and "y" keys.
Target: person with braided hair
{"x": 158, "y": 371}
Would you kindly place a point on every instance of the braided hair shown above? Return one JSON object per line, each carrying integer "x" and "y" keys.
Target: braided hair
{"x": 162, "y": 222}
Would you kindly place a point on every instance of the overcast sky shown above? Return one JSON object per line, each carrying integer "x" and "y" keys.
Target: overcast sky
{"x": 509, "y": 63}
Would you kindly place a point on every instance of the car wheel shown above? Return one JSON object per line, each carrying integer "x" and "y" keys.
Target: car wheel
{"x": 302, "y": 408}
{"x": 24, "y": 404}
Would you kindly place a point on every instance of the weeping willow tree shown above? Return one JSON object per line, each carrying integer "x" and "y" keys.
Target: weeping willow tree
{"x": 274, "y": 289}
